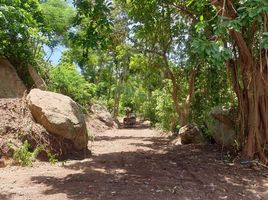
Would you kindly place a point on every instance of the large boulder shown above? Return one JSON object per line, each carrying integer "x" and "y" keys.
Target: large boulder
{"x": 190, "y": 133}
{"x": 102, "y": 114}
{"x": 11, "y": 86}
{"x": 222, "y": 125}
{"x": 59, "y": 115}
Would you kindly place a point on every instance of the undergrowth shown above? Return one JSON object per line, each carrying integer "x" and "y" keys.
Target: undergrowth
{"x": 24, "y": 156}
{"x": 52, "y": 158}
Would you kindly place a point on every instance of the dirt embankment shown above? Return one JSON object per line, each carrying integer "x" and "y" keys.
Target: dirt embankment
{"x": 17, "y": 125}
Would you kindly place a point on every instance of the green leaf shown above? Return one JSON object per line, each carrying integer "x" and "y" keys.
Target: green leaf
{"x": 201, "y": 18}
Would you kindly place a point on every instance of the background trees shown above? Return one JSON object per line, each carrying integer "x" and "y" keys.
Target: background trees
{"x": 21, "y": 25}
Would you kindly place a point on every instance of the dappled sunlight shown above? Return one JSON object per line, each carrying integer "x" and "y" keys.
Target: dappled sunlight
{"x": 230, "y": 181}
{"x": 184, "y": 172}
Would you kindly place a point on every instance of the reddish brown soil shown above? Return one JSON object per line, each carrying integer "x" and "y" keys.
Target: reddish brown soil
{"x": 17, "y": 125}
{"x": 136, "y": 164}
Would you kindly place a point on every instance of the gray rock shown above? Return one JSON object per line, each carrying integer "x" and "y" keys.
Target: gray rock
{"x": 190, "y": 133}
{"x": 102, "y": 114}
{"x": 59, "y": 115}
{"x": 11, "y": 85}
{"x": 222, "y": 125}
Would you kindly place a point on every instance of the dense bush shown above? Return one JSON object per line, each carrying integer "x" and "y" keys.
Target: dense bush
{"x": 165, "y": 114}
{"x": 66, "y": 79}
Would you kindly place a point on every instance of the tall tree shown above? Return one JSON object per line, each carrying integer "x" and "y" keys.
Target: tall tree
{"x": 102, "y": 30}
{"x": 236, "y": 31}
{"x": 161, "y": 33}
{"x": 247, "y": 26}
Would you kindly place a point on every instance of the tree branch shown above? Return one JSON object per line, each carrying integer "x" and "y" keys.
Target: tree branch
{"x": 230, "y": 13}
{"x": 185, "y": 11}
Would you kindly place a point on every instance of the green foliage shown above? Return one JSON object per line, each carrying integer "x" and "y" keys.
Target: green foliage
{"x": 66, "y": 79}
{"x": 52, "y": 158}
{"x": 93, "y": 24}
{"x": 21, "y": 27}
{"x": 24, "y": 156}
{"x": 26, "y": 25}
{"x": 58, "y": 18}
{"x": 214, "y": 53}
{"x": 58, "y": 15}
{"x": 212, "y": 88}
{"x": 165, "y": 112}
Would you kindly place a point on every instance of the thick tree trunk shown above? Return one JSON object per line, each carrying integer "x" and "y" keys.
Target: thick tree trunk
{"x": 174, "y": 94}
{"x": 253, "y": 108}
{"x": 256, "y": 108}
{"x": 250, "y": 83}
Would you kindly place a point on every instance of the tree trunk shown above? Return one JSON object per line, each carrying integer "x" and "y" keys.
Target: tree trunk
{"x": 175, "y": 88}
{"x": 252, "y": 94}
{"x": 188, "y": 99}
{"x": 250, "y": 83}
{"x": 117, "y": 96}
{"x": 116, "y": 106}
{"x": 255, "y": 108}
{"x": 183, "y": 111}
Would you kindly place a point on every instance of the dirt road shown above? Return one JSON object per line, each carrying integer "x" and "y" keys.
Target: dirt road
{"x": 136, "y": 164}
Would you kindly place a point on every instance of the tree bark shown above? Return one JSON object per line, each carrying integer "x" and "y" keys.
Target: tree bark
{"x": 116, "y": 104}
{"x": 255, "y": 108}
{"x": 250, "y": 84}
{"x": 188, "y": 99}
{"x": 183, "y": 111}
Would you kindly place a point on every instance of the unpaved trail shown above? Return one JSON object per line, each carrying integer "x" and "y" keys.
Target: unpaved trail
{"x": 136, "y": 164}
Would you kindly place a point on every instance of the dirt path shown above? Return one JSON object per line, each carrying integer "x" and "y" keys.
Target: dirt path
{"x": 136, "y": 164}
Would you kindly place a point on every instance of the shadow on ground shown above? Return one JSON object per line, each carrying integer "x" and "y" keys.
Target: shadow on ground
{"x": 5, "y": 196}
{"x": 181, "y": 172}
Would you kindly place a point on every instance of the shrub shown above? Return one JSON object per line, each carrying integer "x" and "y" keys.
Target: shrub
{"x": 52, "y": 158}
{"x": 24, "y": 156}
{"x": 66, "y": 79}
